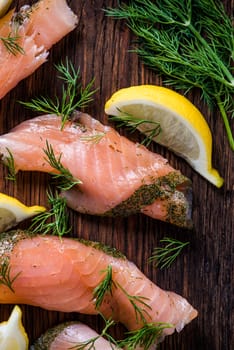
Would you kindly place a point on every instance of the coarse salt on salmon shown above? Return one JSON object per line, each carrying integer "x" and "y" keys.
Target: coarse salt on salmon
{"x": 118, "y": 176}
{"x": 62, "y": 274}
{"x": 38, "y": 28}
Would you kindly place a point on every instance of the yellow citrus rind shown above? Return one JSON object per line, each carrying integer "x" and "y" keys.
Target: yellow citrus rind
{"x": 12, "y": 211}
{"x": 4, "y": 6}
{"x": 12, "y": 332}
{"x": 184, "y": 129}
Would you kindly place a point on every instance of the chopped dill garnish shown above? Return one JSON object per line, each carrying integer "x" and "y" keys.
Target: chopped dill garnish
{"x": 165, "y": 256}
{"x": 66, "y": 179}
{"x": 10, "y": 163}
{"x": 5, "y": 272}
{"x": 53, "y": 221}
{"x": 74, "y": 96}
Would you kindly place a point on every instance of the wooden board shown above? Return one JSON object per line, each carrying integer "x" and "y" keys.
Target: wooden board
{"x": 204, "y": 273}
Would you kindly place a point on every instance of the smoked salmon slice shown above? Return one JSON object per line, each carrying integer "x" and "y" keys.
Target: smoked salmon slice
{"x": 69, "y": 335}
{"x": 36, "y": 28}
{"x": 118, "y": 177}
{"x": 63, "y": 275}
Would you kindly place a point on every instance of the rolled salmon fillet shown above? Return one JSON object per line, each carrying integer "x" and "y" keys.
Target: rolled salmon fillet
{"x": 117, "y": 177}
{"x": 65, "y": 274}
{"x": 34, "y": 29}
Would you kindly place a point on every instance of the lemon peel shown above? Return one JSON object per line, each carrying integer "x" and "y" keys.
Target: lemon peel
{"x": 12, "y": 332}
{"x": 12, "y": 211}
{"x": 4, "y": 6}
{"x": 184, "y": 129}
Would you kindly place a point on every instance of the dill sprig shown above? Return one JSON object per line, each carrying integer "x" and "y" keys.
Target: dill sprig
{"x": 165, "y": 256}
{"x": 144, "y": 337}
{"x": 133, "y": 123}
{"x": 10, "y": 163}
{"x": 138, "y": 302}
{"x": 190, "y": 43}
{"x": 74, "y": 96}
{"x": 5, "y": 274}
{"x": 66, "y": 179}
{"x": 150, "y": 334}
{"x": 11, "y": 43}
{"x": 53, "y": 221}
{"x": 90, "y": 343}
{"x": 104, "y": 287}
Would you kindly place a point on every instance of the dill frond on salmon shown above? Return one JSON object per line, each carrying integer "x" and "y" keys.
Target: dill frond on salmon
{"x": 27, "y": 35}
{"x": 73, "y": 335}
{"x": 67, "y": 275}
{"x": 116, "y": 176}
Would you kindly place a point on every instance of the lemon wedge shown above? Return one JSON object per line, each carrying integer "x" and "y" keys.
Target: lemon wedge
{"x": 12, "y": 211}
{"x": 12, "y": 332}
{"x": 183, "y": 128}
{"x": 4, "y": 6}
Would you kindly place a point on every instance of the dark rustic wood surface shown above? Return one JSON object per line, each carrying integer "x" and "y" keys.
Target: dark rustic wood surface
{"x": 204, "y": 273}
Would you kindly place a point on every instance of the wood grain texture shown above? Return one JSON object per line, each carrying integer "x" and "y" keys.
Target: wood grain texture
{"x": 205, "y": 272}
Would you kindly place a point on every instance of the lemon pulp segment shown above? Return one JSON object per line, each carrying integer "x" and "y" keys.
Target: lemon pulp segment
{"x": 184, "y": 130}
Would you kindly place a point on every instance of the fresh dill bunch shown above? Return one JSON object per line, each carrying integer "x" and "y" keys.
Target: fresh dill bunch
{"x": 74, "y": 96}
{"x": 65, "y": 178}
{"x": 144, "y": 337}
{"x": 11, "y": 43}
{"x": 5, "y": 274}
{"x": 131, "y": 122}
{"x": 166, "y": 255}
{"x": 10, "y": 164}
{"x": 190, "y": 43}
{"x": 53, "y": 221}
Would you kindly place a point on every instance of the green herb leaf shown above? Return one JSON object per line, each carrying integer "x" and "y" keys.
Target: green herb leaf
{"x": 54, "y": 221}
{"x": 144, "y": 337}
{"x": 11, "y": 44}
{"x": 138, "y": 302}
{"x": 190, "y": 43}
{"x": 104, "y": 287}
{"x": 131, "y": 122}
{"x": 90, "y": 343}
{"x": 164, "y": 256}
{"x": 66, "y": 179}
{"x": 10, "y": 163}
{"x": 5, "y": 274}
{"x": 74, "y": 96}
